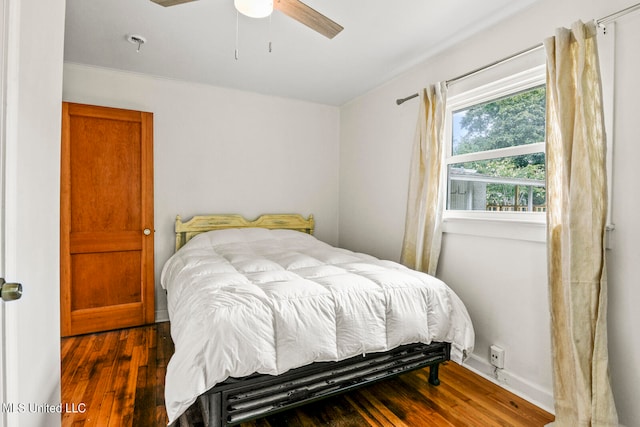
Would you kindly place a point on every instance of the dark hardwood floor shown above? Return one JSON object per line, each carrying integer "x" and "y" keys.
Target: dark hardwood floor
{"x": 117, "y": 379}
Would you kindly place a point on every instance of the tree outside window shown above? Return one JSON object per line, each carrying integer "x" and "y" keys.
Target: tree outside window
{"x": 497, "y": 160}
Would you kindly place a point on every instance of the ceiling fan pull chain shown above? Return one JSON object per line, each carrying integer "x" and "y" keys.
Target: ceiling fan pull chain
{"x": 237, "y": 24}
{"x": 270, "y": 33}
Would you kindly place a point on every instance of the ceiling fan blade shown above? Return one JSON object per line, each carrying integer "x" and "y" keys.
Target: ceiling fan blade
{"x": 166, "y": 3}
{"x": 308, "y": 16}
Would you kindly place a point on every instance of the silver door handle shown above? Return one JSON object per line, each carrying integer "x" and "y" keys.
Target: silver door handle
{"x": 146, "y": 231}
{"x": 10, "y": 291}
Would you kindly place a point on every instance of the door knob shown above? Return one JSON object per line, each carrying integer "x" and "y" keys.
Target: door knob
{"x": 10, "y": 291}
{"x": 146, "y": 231}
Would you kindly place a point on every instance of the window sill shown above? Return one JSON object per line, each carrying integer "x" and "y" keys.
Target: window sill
{"x": 504, "y": 225}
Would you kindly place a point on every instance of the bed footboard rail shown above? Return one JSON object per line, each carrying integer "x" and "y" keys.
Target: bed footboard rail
{"x": 238, "y": 400}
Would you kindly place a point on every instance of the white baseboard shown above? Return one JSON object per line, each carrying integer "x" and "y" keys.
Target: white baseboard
{"x": 552, "y": 424}
{"x": 162, "y": 316}
{"x": 513, "y": 383}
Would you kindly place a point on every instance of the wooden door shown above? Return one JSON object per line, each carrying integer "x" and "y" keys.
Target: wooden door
{"x": 106, "y": 233}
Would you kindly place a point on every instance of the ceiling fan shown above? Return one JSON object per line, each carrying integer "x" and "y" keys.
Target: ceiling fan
{"x": 293, "y": 8}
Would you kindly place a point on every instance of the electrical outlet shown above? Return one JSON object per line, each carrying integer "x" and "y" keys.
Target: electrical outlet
{"x": 497, "y": 356}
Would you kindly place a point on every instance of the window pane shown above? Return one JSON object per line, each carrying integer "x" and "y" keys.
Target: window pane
{"x": 506, "y": 122}
{"x": 503, "y": 184}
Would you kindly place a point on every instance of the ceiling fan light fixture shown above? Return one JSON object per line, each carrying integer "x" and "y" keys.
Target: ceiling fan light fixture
{"x": 254, "y": 8}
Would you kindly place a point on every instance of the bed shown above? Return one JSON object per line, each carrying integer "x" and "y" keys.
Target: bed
{"x": 265, "y": 317}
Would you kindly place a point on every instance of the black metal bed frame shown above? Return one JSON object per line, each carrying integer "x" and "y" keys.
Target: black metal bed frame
{"x": 237, "y": 400}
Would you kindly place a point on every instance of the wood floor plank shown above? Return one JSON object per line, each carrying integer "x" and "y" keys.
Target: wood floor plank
{"x": 99, "y": 398}
{"x": 406, "y": 403}
{"x": 119, "y": 377}
{"x": 388, "y": 416}
{"x": 106, "y": 408}
{"x": 451, "y": 400}
{"x": 368, "y": 413}
{"x": 80, "y": 352}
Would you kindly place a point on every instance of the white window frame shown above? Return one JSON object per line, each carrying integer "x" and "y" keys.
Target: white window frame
{"x": 531, "y": 225}
{"x": 486, "y": 85}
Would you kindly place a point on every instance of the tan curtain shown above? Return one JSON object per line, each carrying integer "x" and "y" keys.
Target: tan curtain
{"x": 423, "y": 223}
{"x": 576, "y": 220}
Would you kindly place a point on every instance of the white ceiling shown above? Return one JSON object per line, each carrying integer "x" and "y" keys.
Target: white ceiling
{"x": 196, "y": 42}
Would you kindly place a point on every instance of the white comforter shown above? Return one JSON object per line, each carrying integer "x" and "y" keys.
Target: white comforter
{"x": 256, "y": 300}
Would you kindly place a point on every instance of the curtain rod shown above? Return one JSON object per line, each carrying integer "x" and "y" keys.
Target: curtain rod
{"x": 477, "y": 70}
{"x": 600, "y": 22}
{"x": 616, "y": 15}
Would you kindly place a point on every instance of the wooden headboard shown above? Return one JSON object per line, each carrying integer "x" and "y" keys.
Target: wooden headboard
{"x": 202, "y": 223}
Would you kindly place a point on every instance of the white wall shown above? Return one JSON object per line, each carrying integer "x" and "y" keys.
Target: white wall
{"x": 624, "y": 256}
{"x": 501, "y": 279}
{"x": 219, "y": 150}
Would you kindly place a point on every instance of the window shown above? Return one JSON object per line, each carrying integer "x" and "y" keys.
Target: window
{"x": 495, "y": 160}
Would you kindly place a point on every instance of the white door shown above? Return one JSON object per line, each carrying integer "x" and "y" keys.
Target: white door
{"x": 31, "y": 51}
{"x": 3, "y": 38}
